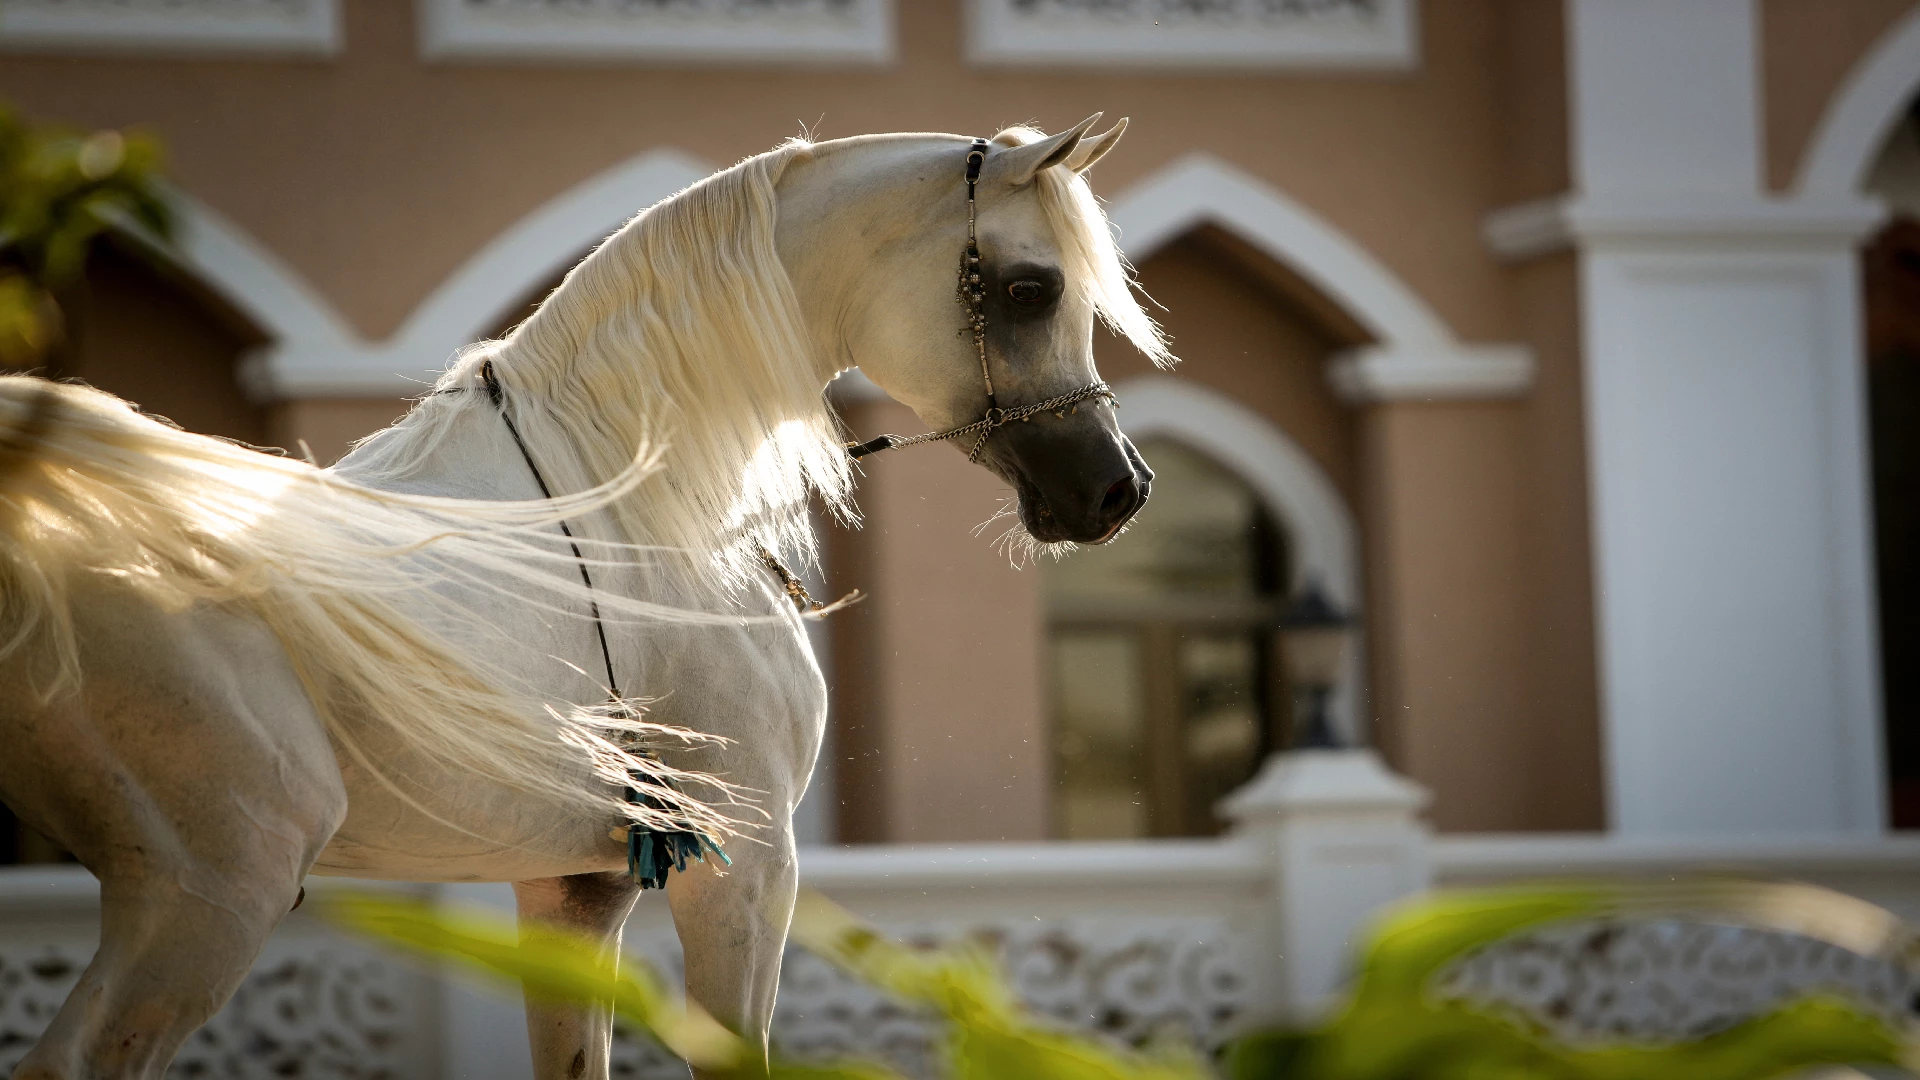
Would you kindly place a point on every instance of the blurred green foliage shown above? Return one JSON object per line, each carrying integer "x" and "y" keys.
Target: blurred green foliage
{"x": 1393, "y": 1027}
{"x": 58, "y": 191}
{"x": 1390, "y": 1027}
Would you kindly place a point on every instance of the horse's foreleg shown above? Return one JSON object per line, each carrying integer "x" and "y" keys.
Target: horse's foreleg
{"x": 573, "y": 1042}
{"x": 732, "y": 924}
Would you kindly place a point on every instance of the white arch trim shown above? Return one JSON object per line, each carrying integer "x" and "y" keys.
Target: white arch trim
{"x": 1861, "y": 114}
{"x": 224, "y": 257}
{"x": 1414, "y": 355}
{"x": 315, "y": 351}
{"x": 1318, "y": 522}
{"x": 1324, "y": 542}
{"x": 1200, "y": 189}
{"x": 537, "y": 248}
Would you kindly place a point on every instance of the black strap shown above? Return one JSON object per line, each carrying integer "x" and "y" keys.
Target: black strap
{"x": 498, "y": 397}
{"x": 856, "y": 451}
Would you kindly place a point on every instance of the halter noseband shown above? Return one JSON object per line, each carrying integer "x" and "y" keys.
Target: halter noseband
{"x": 972, "y": 295}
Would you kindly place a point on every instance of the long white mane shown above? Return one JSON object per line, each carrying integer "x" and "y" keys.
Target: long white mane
{"x": 680, "y": 331}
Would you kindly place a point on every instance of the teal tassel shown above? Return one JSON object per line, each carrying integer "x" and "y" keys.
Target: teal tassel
{"x": 651, "y": 855}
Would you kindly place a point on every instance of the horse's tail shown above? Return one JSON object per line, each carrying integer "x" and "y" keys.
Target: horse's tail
{"x": 88, "y": 485}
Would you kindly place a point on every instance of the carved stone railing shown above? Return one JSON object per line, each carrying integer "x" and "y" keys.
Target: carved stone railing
{"x": 1176, "y": 946}
{"x": 1130, "y": 940}
{"x": 315, "y": 1005}
{"x": 310, "y": 27}
{"x": 1663, "y": 980}
{"x": 805, "y": 32}
{"x": 1202, "y": 34}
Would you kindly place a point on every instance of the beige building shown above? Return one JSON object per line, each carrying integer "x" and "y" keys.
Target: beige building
{"x": 1528, "y": 332}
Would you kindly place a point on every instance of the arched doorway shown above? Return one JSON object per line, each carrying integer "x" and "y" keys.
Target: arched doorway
{"x": 1163, "y": 688}
{"x": 1891, "y": 279}
{"x": 1165, "y": 693}
{"x": 153, "y": 335}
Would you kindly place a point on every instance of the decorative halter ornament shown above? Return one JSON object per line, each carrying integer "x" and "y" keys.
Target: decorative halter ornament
{"x": 972, "y": 295}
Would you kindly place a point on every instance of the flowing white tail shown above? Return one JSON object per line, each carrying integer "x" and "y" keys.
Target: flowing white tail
{"x": 88, "y": 485}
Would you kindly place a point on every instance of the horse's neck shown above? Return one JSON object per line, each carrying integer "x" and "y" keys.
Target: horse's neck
{"x": 472, "y": 455}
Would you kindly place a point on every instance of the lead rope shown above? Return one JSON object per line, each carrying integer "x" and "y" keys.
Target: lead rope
{"x": 650, "y": 854}
{"x": 972, "y": 295}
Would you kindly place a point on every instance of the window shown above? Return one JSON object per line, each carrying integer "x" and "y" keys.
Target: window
{"x": 1164, "y": 683}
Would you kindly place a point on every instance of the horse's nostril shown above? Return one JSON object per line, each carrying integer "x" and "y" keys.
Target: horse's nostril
{"x": 1120, "y": 501}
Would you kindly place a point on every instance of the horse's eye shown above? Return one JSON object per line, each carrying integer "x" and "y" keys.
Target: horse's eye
{"x": 1026, "y": 291}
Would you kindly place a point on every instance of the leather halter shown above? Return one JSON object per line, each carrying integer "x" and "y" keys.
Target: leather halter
{"x": 972, "y": 295}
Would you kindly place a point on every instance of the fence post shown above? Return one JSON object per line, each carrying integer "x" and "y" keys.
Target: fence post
{"x": 1343, "y": 836}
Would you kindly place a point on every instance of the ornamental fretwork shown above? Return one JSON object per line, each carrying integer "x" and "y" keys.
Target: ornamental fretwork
{"x": 1197, "y": 34}
{"x": 305, "y": 27}
{"x": 1223, "y": 11}
{"x": 1132, "y": 982}
{"x": 1667, "y": 980}
{"x": 640, "y": 9}
{"x": 827, "y": 32}
{"x": 177, "y": 8}
{"x": 333, "y": 1012}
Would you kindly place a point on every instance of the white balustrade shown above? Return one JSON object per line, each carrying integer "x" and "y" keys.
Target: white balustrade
{"x": 1195, "y": 937}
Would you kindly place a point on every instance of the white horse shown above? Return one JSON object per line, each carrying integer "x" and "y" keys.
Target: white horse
{"x": 221, "y": 671}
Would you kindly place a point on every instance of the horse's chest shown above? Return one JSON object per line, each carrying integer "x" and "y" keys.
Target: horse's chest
{"x": 758, "y": 686}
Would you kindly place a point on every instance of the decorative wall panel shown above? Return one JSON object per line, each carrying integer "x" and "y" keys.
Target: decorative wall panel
{"x": 808, "y": 32}
{"x": 174, "y": 26}
{"x": 1255, "y": 34}
{"x": 311, "y": 1008}
{"x": 1668, "y": 980}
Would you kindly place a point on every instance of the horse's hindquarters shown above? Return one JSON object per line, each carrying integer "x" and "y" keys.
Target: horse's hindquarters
{"x": 191, "y": 775}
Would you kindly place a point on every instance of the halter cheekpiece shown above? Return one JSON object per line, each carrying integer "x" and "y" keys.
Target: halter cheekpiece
{"x": 972, "y": 295}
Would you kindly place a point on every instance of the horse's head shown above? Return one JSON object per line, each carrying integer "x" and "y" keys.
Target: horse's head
{"x": 1047, "y": 268}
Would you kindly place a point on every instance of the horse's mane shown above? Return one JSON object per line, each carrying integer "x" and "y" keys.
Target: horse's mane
{"x": 681, "y": 332}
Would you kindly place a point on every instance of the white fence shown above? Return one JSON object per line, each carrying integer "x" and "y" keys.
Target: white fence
{"x": 1130, "y": 939}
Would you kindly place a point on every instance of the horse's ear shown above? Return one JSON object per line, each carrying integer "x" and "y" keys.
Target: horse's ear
{"x": 1019, "y": 164}
{"x": 1094, "y": 147}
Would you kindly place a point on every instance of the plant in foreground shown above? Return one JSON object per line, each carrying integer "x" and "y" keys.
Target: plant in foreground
{"x": 1390, "y": 1027}
{"x": 58, "y": 191}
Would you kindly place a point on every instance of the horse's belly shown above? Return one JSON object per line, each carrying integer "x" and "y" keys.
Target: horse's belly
{"x": 450, "y": 827}
{"x": 450, "y": 858}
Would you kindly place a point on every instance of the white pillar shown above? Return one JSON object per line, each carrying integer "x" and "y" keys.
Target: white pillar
{"x": 1344, "y": 838}
{"x": 1727, "y": 461}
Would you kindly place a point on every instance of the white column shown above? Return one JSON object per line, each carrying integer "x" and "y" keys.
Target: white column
{"x": 1345, "y": 839}
{"x": 1725, "y": 422}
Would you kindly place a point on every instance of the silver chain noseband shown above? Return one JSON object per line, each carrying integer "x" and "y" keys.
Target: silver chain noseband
{"x": 972, "y": 295}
